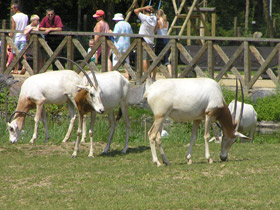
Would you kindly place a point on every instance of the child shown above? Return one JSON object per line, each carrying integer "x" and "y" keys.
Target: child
{"x": 91, "y": 44}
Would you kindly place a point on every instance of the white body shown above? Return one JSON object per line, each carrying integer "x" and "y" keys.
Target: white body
{"x": 115, "y": 89}
{"x": 193, "y": 99}
{"x": 57, "y": 87}
{"x": 248, "y": 121}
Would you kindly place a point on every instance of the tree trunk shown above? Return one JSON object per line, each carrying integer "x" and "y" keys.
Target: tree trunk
{"x": 268, "y": 19}
{"x": 246, "y": 17}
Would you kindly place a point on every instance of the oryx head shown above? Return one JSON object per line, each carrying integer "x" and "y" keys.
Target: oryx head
{"x": 93, "y": 89}
{"x": 13, "y": 128}
{"x": 231, "y": 132}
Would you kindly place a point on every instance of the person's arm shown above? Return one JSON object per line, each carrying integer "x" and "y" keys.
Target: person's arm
{"x": 138, "y": 10}
{"x": 98, "y": 30}
{"x": 27, "y": 30}
{"x": 58, "y": 27}
{"x": 13, "y": 27}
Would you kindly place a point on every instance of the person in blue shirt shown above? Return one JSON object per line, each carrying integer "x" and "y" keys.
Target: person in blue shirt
{"x": 122, "y": 43}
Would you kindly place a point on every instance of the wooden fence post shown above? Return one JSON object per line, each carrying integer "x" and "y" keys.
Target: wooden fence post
{"x": 70, "y": 52}
{"x": 3, "y": 46}
{"x": 213, "y": 24}
{"x": 104, "y": 54}
{"x": 35, "y": 53}
{"x": 247, "y": 64}
{"x": 174, "y": 58}
{"x": 210, "y": 58}
{"x": 139, "y": 62}
{"x": 3, "y": 52}
{"x": 235, "y": 26}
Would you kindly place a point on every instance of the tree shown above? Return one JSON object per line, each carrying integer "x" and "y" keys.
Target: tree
{"x": 268, "y": 18}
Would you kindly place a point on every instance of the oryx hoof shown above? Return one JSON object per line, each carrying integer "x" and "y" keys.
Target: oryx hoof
{"x": 189, "y": 161}
{"x": 210, "y": 160}
{"x": 74, "y": 155}
{"x": 124, "y": 151}
{"x": 104, "y": 153}
{"x": 166, "y": 162}
{"x": 157, "y": 163}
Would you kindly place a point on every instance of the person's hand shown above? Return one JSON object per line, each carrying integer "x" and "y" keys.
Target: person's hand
{"x": 149, "y": 8}
{"x": 48, "y": 30}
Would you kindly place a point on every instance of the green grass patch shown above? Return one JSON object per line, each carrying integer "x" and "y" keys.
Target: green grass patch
{"x": 44, "y": 176}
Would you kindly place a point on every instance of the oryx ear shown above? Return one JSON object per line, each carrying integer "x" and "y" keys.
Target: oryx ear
{"x": 240, "y": 135}
{"x": 83, "y": 87}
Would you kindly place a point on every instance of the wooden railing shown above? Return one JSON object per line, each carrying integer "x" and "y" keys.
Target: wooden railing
{"x": 211, "y": 47}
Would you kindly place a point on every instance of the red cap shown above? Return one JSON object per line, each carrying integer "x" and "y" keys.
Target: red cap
{"x": 99, "y": 13}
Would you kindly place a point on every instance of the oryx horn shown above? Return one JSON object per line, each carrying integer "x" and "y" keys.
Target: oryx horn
{"x": 92, "y": 72}
{"x": 89, "y": 80}
{"x": 242, "y": 106}
{"x": 15, "y": 113}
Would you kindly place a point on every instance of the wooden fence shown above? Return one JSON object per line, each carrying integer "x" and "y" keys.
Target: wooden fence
{"x": 212, "y": 47}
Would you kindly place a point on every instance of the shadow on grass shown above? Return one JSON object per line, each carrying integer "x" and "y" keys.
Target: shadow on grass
{"x": 134, "y": 150}
{"x": 199, "y": 162}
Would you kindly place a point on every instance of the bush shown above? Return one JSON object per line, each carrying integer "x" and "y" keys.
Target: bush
{"x": 267, "y": 108}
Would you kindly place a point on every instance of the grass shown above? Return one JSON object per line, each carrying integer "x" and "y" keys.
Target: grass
{"x": 44, "y": 176}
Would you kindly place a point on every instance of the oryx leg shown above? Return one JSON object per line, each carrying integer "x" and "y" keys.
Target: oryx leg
{"x": 207, "y": 138}
{"x": 112, "y": 122}
{"x": 153, "y": 133}
{"x": 158, "y": 141}
{"x": 73, "y": 116}
{"x": 252, "y": 133}
{"x": 92, "y": 121}
{"x": 192, "y": 139}
{"x": 39, "y": 108}
{"x": 44, "y": 120}
{"x": 84, "y": 134}
{"x": 76, "y": 149}
{"x": 124, "y": 108}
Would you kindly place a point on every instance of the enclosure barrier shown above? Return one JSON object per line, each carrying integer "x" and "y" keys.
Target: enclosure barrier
{"x": 245, "y": 50}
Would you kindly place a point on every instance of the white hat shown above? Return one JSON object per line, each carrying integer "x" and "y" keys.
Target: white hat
{"x": 118, "y": 16}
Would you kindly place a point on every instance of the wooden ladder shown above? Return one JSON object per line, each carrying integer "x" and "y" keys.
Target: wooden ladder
{"x": 187, "y": 17}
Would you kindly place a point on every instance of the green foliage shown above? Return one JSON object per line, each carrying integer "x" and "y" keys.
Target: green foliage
{"x": 229, "y": 95}
{"x": 11, "y": 101}
{"x": 268, "y": 108}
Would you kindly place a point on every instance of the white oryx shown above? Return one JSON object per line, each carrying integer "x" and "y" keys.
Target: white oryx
{"x": 115, "y": 89}
{"x": 248, "y": 121}
{"x": 56, "y": 87}
{"x": 190, "y": 99}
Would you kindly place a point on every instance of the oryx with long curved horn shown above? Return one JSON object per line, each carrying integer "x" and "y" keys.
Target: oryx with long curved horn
{"x": 192, "y": 99}
{"x": 56, "y": 87}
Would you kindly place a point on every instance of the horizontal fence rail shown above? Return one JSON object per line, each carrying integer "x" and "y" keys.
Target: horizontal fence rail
{"x": 245, "y": 50}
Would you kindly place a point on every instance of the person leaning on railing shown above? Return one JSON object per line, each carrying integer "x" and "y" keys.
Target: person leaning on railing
{"x": 52, "y": 22}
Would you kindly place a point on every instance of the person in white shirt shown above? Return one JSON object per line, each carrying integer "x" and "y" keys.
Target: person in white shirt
{"x": 122, "y": 43}
{"x": 148, "y": 24}
{"x": 19, "y": 22}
